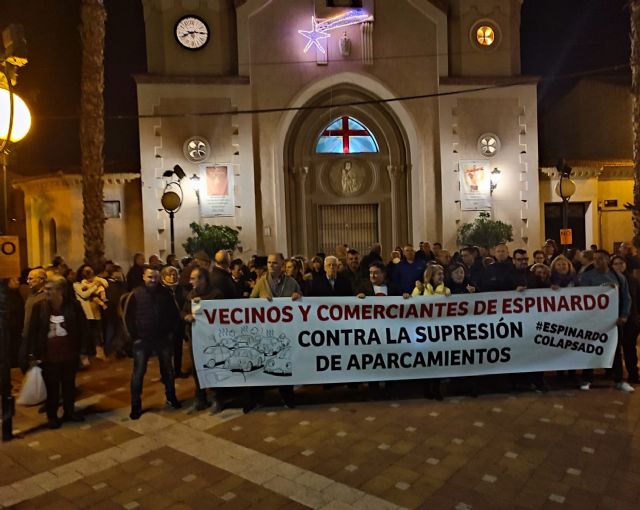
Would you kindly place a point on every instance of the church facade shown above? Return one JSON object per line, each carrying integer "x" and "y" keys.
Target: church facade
{"x": 310, "y": 123}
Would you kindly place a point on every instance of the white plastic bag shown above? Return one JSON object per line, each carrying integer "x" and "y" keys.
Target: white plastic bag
{"x": 33, "y": 390}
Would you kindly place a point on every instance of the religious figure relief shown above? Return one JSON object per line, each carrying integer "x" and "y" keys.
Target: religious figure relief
{"x": 217, "y": 181}
{"x": 351, "y": 184}
{"x": 474, "y": 176}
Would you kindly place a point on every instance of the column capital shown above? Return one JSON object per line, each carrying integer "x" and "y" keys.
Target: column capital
{"x": 299, "y": 172}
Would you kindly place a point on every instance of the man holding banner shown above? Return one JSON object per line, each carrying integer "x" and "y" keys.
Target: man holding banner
{"x": 602, "y": 275}
{"x": 274, "y": 283}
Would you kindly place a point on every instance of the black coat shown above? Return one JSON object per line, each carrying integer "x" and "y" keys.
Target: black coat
{"x": 37, "y": 339}
{"x": 134, "y": 277}
{"x": 366, "y": 288}
{"x": 152, "y": 315}
{"x": 221, "y": 279}
{"x": 321, "y": 287}
{"x": 499, "y": 276}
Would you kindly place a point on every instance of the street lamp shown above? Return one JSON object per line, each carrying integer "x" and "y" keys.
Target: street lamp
{"x": 565, "y": 190}
{"x": 495, "y": 179}
{"x": 172, "y": 201}
{"x": 195, "y": 184}
{"x": 172, "y": 197}
{"x": 15, "y": 121}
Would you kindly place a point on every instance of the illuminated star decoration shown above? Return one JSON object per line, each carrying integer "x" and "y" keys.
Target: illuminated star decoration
{"x": 314, "y": 36}
{"x": 321, "y": 27}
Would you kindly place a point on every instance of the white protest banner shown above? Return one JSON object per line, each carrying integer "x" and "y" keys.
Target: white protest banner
{"x": 254, "y": 342}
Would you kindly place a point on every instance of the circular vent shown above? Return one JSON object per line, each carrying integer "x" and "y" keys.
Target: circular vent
{"x": 196, "y": 149}
{"x": 485, "y": 35}
{"x": 488, "y": 145}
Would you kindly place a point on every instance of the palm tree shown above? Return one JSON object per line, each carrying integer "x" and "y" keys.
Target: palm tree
{"x": 635, "y": 94}
{"x": 92, "y": 32}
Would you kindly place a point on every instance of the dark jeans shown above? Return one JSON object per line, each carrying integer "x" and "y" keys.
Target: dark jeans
{"x": 177, "y": 354}
{"x": 92, "y": 337}
{"x": 616, "y": 369}
{"x": 142, "y": 351}
{"x": 58, "y": 375}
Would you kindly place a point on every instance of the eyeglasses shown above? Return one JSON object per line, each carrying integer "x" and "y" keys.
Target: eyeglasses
{"x": 522, "y": 259}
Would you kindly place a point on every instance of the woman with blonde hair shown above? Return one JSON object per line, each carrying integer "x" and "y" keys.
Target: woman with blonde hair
{"x": 433, "y": 286}
{"x": 433, "y": 283}
{"x": 562, "y": 273}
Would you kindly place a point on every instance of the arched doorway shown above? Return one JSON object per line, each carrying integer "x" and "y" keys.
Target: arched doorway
{"x": 347, "y": 179}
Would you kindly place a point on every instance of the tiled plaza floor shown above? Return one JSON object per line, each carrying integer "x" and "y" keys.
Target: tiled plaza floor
{"x": 563, "y": 449}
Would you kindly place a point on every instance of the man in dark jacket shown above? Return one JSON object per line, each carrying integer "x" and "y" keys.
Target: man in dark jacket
{"x": 134, "y": 276}
{"x": 473, "y": 265}
{"x": 330, "y": 282}
{"x": 221, "y": 278}
{"x": 378, "y": 285}
{"x": 410, "y": 270}
{"x": 501, "y": 274}
{"x": 353, "y": 271}
{"x": 152, "y": 320}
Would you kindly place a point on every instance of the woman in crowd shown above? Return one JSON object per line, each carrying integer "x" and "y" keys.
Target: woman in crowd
{"x": 54, "y": 339}
{"x": 458, "y": 280}
{"x": 90, "y": 291}
{"x": 562, "y": 273}
{"x": 540, "y": 277}
{"x": 169, "y": 278}
{"x": 293, "y": 269}
{"x": 433, "y": 285}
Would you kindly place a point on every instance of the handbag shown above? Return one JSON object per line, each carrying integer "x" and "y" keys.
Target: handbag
{"x": 33, "y": 391}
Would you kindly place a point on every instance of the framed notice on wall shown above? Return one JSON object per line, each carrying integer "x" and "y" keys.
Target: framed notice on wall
{"x": 475, "y": 185}
{"x": 217, "y": 190}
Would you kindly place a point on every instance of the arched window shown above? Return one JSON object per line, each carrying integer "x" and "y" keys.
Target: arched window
{"x": 346, "y": 136}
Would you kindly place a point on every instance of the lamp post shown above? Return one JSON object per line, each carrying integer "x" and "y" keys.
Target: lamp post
{"x": 565, "y": 190}
{"x": 171, "y": 201}
{"x": 15, "y": 121}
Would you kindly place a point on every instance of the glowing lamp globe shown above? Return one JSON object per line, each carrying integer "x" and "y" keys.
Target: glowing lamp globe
{"x": 565, "y": 188}
{"x": 21, "y": 117}
{"x": 171, "y": 201}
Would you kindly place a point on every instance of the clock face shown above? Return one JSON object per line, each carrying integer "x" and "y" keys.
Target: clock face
{"x": 192, "y": 32}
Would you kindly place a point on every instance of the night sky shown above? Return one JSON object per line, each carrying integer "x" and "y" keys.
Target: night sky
{"x": 559, "y": 38}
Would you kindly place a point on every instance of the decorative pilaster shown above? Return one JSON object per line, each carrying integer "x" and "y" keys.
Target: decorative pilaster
{"x": 396, "y": 173}
{"x": 300, "y": 178}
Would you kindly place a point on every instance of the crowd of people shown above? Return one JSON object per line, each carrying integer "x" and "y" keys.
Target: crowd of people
{"x": 65, "y": 319}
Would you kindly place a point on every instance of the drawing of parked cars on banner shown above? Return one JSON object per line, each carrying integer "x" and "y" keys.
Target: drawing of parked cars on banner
{"x": 247, "y": 351}
{"x": 279, "y": 364}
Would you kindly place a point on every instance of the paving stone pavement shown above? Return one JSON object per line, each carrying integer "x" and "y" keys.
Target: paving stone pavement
{"x": 338, "y": 450}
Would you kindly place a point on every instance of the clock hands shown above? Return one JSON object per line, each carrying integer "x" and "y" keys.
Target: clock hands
{"x": 192, "y": 32}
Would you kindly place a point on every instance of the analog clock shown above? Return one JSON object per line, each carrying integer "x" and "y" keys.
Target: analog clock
{"x": 192, "y": 32}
